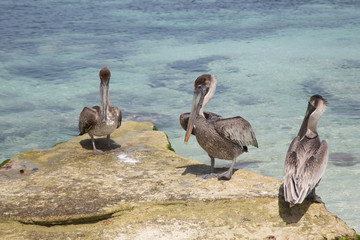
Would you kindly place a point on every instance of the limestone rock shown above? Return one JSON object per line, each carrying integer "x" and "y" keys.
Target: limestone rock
{"x": 142, "y": 190}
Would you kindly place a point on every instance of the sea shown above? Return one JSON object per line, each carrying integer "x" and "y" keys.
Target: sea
{"x": 269, "y": 58}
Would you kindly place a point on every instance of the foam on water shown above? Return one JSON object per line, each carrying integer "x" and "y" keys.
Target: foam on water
{"x": 269, "y": 58}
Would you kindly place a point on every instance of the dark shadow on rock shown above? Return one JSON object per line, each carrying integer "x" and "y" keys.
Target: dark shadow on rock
{"x": 202, "y": 169}
{"x": 293, "y": 214}
{"x": 100, "y": 143}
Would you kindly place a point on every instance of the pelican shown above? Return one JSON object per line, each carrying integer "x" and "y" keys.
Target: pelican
{"x": 100, "y": 120}
{"x": 220, "y": 138}
{"x": 307, "y": 157}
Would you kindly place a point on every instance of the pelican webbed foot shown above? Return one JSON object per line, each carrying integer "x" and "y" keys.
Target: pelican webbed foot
{"x": 225, "y": 175}
{"x": 98, "y": 151}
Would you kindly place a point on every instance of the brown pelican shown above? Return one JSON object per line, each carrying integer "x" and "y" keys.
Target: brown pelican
{"x": 220, "y": 138}
{"x": 103, "y": 120}
{"x": 307, "y": 157}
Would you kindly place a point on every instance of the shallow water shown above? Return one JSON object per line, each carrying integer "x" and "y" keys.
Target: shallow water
{"x": 269, "y": 58}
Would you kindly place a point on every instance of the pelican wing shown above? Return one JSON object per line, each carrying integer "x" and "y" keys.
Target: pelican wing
{"x": 236, "y": 130}
{"x": 212, "y": 117}
{"x": 310, "y": 174}
{"x": 118, "y": 114}
{"x": 184, "y": 119}
{"x": 303, "y": 170}
{"x": 87, "y": 120}
{"x": 290, "y": 169}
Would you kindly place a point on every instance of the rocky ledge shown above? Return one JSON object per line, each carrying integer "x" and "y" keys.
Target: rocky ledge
{"x": 143, "y": 190}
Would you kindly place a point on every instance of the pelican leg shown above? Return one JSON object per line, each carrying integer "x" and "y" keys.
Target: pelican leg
{"x": 313, "y": 197}
{"x": 227, "y": 175}
{"x": 212, "y": 174}
{"x": 115, "y": 145}
{"x": 95, "y": 151}
{"x": 108, "y": 141}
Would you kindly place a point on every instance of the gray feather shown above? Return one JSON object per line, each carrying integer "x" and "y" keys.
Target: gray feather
{"x": 236, "y": 130}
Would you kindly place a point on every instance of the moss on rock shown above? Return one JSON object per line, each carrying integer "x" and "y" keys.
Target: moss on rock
{"x": 4, "y": 162}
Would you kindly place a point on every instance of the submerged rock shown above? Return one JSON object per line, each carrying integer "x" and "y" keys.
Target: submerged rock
{"x": 142, "y": 190}
{"x": 344, "y": 159}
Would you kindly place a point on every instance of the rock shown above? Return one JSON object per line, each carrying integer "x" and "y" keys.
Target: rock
{"x": 143, "y": 190}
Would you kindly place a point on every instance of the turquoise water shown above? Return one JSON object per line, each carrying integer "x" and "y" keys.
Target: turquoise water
{"x": 269, "y": 58}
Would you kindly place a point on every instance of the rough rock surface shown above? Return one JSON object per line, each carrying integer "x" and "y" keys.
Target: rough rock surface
{"x": 142, "y": 190}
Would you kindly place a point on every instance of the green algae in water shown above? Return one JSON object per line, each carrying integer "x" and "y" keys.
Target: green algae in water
{"x": 57, "y": 144}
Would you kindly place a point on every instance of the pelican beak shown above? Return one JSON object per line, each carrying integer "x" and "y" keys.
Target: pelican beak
{"x": 304, "y": 125}
{"x": 104, "y": 91}
{"x": 198, "y": 99}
